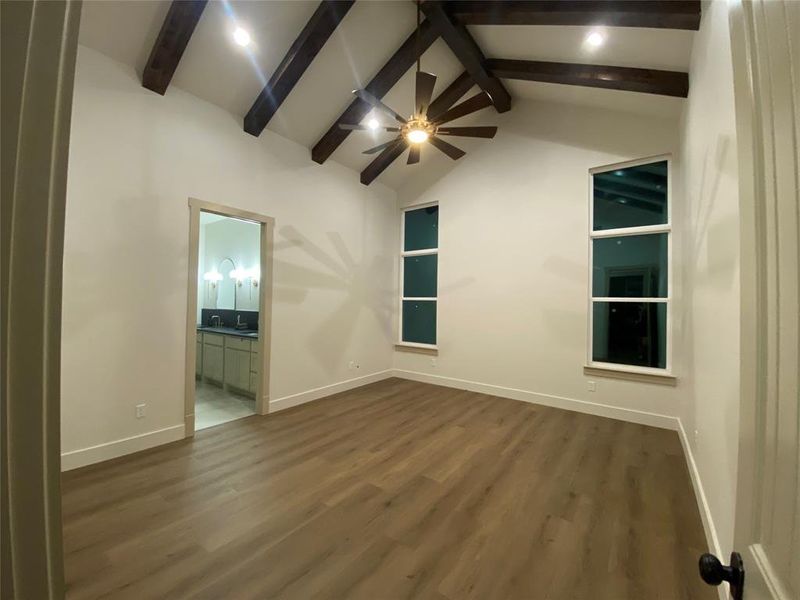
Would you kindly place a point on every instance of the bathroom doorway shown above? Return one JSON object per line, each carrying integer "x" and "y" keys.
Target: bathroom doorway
{"x": 228, "y": 315}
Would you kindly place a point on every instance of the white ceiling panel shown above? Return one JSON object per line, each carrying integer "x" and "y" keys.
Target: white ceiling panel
{"x": 228, "y": 75}
{"x": 125, "y": 30}
{"x": 635, "y": 102}
{"x": 367, "y": 37}
{"x": 667, "y": 49}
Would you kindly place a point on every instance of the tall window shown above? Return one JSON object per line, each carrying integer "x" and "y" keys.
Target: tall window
{"x": 630, "y": 254}
{"x": 419, "y": 268}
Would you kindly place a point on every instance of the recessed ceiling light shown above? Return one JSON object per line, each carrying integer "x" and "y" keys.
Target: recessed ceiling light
{"x": 373, "y": 124}
{"x": 241, "y": 37}
{"x": 595, "y": 39}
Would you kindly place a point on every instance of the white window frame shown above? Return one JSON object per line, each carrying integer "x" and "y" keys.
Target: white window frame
{"x": 403, "y": 255}
{"x": 629, "y": 231}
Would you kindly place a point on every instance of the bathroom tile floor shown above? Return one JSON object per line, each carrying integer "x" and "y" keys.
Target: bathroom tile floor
{"x": 214, "y": 406}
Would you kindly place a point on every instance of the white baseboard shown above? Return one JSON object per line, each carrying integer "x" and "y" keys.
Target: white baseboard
{"x": 326, "y": 390}
{"x": 591, "y": 408}
{"x": 94, "y": 454}
{"x": 702, "y": 504}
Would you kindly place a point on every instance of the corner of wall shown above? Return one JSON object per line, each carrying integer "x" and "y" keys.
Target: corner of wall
{"x": 709, "y": 267}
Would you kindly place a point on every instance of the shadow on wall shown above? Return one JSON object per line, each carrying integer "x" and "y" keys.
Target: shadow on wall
{"x": 720, "y": 268}
{"x": 601, "y": 130}
{"x": 340, "y": 273}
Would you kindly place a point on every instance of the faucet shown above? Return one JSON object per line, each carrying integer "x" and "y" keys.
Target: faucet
{"x": 219, "y": 321}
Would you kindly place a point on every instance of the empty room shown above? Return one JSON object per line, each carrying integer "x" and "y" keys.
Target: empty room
{"x": 491, "y": 300}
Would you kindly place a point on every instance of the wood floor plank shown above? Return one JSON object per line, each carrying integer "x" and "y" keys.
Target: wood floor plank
{"x": 394, "y": 490}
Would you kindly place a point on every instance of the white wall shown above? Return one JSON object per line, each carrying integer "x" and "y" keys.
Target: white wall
{"x": 135, "y": 159}
{"x": 710, "y": 270}
{"x": 513, "y": 259}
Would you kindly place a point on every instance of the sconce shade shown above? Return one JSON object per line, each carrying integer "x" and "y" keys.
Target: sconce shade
{"x": 238, "y": 274}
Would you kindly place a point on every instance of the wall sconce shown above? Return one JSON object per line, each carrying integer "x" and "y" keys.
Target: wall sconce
{"x": 213, "y": 277}
{"x": 255, "y": 275}
{"x": 239, "y": 275}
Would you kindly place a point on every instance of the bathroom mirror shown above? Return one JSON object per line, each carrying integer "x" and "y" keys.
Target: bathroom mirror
{"x": 226, "y": 289}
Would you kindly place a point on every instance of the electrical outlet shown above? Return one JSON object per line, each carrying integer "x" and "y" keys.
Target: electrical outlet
{"x": 433, "y": 361}
{"x": 696, "y": 435}
{"x": 140, "y": 410}
{"x": 592, "y": 386}
{"x": 353, "y": 365}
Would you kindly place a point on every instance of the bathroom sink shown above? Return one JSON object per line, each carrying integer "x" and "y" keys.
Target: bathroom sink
{"x": 229, "y": 331}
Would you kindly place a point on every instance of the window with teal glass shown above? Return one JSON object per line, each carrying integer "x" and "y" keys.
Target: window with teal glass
{"x": 630, "y": 247}
{"x": 419, "y": 264}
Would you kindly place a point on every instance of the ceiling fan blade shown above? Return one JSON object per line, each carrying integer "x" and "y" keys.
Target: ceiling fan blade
{"x": 449, "y": 149}
{"x": 377, "y": 149}
{"x": 476, "y": 102}
{"x": 413, "y": 155}
{"x": 424, "y": 91}
{"x": 479, "y": 132}
{"x": 381, "y": 162}
{"x": 354, "y": 127}
{"x": 375, "y": 102}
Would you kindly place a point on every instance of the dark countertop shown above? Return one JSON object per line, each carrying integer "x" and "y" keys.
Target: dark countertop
{"x": 245, "y": 333}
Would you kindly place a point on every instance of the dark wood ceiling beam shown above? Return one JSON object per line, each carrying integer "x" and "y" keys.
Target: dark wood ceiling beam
{"x": 301, "y": 54}
{"x": 648, "y": 81}
{"x": 468, "y": 53}
{"x": 400, "y": 62}
{"x": 177, "y": 30}
{"x": 451, "y": 94}
{"x": 662, "y": 14}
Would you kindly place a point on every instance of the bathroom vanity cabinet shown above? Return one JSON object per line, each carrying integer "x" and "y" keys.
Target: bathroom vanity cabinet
{"x": 228, "y": 360}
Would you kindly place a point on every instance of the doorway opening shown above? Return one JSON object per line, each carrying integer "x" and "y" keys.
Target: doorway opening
{"x": 228, "y": 315}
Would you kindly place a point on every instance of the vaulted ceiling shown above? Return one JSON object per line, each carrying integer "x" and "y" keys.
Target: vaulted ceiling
{"x": 310, "y": 56}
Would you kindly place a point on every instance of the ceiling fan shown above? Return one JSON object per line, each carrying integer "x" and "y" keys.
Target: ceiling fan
{"x": 421, "y": 127}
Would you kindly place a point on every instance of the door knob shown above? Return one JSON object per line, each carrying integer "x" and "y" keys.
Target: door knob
{"x": 714, "y": 572}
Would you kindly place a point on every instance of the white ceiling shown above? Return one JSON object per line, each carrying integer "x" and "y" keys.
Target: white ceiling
{"x": 215, "y": 69}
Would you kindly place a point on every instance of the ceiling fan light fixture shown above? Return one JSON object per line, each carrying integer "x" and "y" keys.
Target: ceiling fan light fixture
{"x": 418, "y": 130}
{"x": 417, "y": 136}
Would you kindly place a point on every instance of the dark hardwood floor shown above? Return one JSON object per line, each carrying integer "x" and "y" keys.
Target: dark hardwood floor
{"x": 393, "y": 490}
